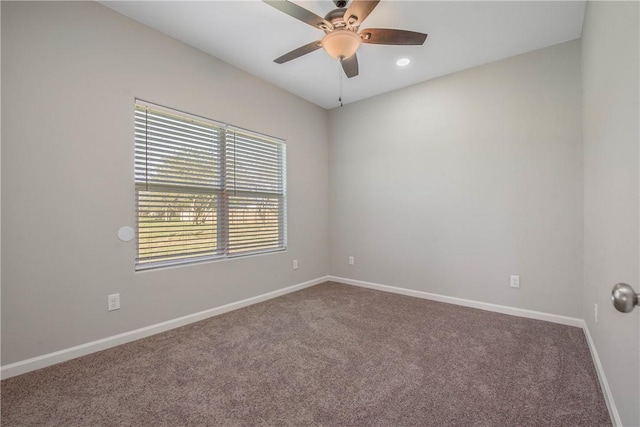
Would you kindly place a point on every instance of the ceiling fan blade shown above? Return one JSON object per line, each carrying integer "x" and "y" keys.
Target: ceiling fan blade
{"x": 296, "y": 53}
{"x": 389, "y": 36}
{"x": 298, "y": 12}
{"x": 350, "y": 65}
{"x": 360, "y": 9}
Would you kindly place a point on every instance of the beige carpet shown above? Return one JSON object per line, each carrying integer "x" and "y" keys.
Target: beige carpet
{"x": 331, "y": 355}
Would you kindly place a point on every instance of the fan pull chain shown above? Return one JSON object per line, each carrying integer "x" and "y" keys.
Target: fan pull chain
{"x": 340, "y": 82}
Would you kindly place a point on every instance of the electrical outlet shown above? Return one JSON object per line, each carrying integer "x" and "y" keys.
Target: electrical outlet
{"x": 352, "y": 260}
{"x": 113, "y": 302}
{"x": 595, "y": 312}
{"x": 515, "y": 281}
{"x": 295, "y": 264}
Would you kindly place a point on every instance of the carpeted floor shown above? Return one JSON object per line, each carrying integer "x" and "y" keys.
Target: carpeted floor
{"x": 332, "y": 355}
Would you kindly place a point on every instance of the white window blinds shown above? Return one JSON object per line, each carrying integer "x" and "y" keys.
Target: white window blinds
{"x": 256, "y": 192}
{"x": 205, "y": 190}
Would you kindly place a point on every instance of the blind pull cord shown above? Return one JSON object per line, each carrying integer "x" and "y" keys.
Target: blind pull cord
{"x": 146, "y": 149}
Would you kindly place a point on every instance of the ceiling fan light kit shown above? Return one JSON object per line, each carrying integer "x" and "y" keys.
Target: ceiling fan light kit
{"x": 341, "y": 25}
{"x": 341, "y": 44}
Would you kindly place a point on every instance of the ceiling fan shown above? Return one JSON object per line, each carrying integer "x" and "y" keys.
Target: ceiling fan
{"x": 342, "y": 36}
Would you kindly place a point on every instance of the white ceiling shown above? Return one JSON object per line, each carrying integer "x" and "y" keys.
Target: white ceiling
{"x": 250, "y": 34}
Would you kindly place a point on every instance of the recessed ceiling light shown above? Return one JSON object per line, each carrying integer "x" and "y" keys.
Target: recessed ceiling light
{"x": 403, "y": 62}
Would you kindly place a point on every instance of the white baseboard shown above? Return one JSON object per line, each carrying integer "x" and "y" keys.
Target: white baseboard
{"x": 520, "y": 312}
{"x": 608, "y": 396}
{"x": 49, "y": 359}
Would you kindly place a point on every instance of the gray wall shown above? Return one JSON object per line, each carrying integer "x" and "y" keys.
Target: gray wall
{"x": 452, "y": 185}
{"x": 449, "y": 186}
{"x": 610, "y": 66}
{"x": 69, "y": 77}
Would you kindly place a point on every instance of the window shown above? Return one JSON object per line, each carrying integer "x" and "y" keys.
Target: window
{"x": 205, "y": 190}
